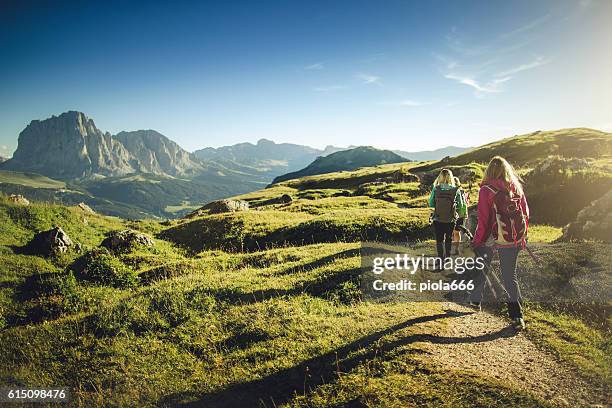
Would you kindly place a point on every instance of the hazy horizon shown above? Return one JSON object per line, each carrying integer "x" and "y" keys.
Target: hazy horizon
{"x": 406, "y": 76}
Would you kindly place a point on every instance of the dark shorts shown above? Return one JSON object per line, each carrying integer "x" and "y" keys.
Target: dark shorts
{"x": 459, "y": 223}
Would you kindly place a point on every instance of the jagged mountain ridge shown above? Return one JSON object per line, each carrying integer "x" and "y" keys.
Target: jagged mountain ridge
{"x": 70, "y": 146}
{"x": 158, "y": 154}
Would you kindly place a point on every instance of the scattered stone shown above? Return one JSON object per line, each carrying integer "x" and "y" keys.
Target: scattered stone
{"x": 86, "y": 208}
{"x": 53, "y": 241}
{"x": 219, "y": 207}
{"x": 18, "y": 199}
{"x": 284, "y": 199}
{"x": 592, "y": 222}
{"x": 119, "y": 241}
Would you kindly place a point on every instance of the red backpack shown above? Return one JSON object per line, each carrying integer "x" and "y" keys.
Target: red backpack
{"x": 510, "y": 217}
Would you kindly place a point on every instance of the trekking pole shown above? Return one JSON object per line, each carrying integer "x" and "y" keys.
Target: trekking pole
{"x": 535, "y": 258}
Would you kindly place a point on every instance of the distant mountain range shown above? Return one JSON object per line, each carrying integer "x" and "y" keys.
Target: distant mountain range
{"x": 363, "y": 156}
{"x": 275, "y": 159}
{"x": 144, "y": 173}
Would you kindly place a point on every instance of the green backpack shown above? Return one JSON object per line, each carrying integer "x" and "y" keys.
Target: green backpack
{"x": 446, "y": 208}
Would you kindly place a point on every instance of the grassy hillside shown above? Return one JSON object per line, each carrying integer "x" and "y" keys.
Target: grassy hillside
{"x": 29, "y": 179}
{"x": 134, "y": 196}
{"x": 264, "y": 307}
{"x": 222, "y": 327}
{"x": 363, "y": 156}
{"x": 527, "y": 150}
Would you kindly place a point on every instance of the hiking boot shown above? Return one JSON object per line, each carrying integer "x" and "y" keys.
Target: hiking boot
{"x": 475, "y": 305}
{"x": 518, "y": 323}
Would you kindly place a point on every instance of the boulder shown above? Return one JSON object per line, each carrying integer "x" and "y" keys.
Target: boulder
{"x": 53, "y": 241}
{"x": 86, "y": 208}
{"x": 284, "y": 199}
{"x": 118, "y": 241}
{"x": 592, "y": 222}
{"x": 220, "y": 206}
{"x": 18, "y": 199}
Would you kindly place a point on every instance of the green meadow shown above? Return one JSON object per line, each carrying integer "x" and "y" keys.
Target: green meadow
{"x": 263, "y": 307}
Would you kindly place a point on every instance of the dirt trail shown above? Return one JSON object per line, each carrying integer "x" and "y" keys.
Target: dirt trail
{"x": 484, "y": 345}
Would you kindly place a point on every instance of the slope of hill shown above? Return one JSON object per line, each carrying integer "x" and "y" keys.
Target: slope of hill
{"x": 364, "y": 156}
{"x": 29, "y": 179}
{"x": 527, "y": 150}
{"x": 265, "y": 305}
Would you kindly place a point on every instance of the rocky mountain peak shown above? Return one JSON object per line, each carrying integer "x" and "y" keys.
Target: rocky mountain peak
{"x": 70, "y": 146}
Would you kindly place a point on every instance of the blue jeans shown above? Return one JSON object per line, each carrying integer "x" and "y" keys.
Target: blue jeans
{"x": 507, "y": 262}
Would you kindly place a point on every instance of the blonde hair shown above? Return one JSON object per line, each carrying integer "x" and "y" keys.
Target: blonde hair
{"x": 457, "y": 181}
{"x": 500, "y": 169}
{"x": 445, "y": 177}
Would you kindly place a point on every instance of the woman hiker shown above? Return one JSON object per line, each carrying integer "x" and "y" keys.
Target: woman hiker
{"x": 446, "y": 200}
{"x": 503, "y": 216}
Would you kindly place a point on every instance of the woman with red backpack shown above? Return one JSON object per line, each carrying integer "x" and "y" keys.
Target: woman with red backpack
{"x": 503, "y": 216}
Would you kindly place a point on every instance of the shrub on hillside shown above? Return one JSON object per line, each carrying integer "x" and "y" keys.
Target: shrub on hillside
{"x": 102, "y": 268}
{"x": 593, "y": 221}
{"x": 558, "y": 188}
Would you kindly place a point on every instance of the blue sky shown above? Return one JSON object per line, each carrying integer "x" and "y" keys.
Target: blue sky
{"x": 393, "y": 74}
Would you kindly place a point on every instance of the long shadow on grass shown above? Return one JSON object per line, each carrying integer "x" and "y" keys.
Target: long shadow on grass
{"x": 317, "y": 287}
{"x": 349, "y": 253}
{"x": 280, "y": 387}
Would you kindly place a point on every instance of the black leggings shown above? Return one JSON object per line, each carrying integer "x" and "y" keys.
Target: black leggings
{"x": 444, "y": 237}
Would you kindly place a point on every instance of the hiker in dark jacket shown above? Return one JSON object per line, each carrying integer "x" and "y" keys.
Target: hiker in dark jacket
{"x": 446, "y": 200}
{"x": 503, "y": 216}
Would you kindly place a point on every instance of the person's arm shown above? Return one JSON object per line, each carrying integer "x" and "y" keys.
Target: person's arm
{"x": 460, "y": 202}
{"x": 484, "y": 216}
{"x": 525, "y": 206}
{"x": 432, "y": 198}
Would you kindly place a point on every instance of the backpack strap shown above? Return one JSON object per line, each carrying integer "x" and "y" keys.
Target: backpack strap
{"x": 495, "y": 190}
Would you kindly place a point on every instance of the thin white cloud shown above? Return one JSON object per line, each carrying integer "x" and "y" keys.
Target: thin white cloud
{"x": 328, "y": 88}
{"x": 449, "y": 63}
{"x": 315, "y": 67}
{"x": 488, "y": 87}
{"x": 527, "y": 27}
{"x": 368, "y": 78}
{"x": 539, "y": 61}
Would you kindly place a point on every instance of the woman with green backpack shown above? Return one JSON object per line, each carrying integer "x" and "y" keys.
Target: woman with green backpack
{"x": 447, "y": 200}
